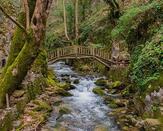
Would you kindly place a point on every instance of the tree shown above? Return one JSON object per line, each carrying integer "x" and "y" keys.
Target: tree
{"x": 65, "y": 20}
{"x": 32, "y": 38}
{"x": 115, "y": 10}
{"x": 76, "y": 19}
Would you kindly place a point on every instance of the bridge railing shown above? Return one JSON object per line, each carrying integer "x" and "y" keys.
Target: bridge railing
{"x": 79, "y": 51}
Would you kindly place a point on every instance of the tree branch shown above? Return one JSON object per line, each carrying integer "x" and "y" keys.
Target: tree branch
{"x": 12, "y": 19}
{"x": 27, "y": 14}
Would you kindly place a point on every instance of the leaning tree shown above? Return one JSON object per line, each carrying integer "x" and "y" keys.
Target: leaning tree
{"x": 27, "y": 43}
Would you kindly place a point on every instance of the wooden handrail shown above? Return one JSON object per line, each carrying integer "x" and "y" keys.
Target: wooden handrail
{"x": 78, "y": 51}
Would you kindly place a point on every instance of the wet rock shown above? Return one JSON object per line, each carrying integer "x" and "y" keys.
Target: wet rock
{"x": 76, "y": 81}
{"x": 101, "y": 82}
{"x": 98, "y": 91}
{"x": 100, "y": 128}
{"x": 57, "y": 102}
{"x": 65, "y": 75}
{"x": 108, "y": 99}
{"x": 72, "y": 87}
{"x": 113, "y": 105}
{"x": 65, "y": 86}
{"x": 18, "y": 93}
{"x": 60, "y": 129}
{"x": 62, "y": 92}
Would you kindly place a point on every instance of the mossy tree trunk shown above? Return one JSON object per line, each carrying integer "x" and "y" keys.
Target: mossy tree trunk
{"x": 34, "y": 40}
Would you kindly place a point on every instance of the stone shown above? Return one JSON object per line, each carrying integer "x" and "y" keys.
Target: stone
{"x": 120, "y": 103}
{"x": 64, "y": 110}
{"x": 76, "y": 81}
{"x": 17, "y": 123}
{"x": 100, "y": 128}
{"x": 101, "y": 82}
{"x": 62, "y": 92}
{"x": 72, "y": 87}
{"x": 116, "y": 84}
{"x": 98, "y": 91}
{"x": 18, "y": 93}
{"x": 150, "y": 122}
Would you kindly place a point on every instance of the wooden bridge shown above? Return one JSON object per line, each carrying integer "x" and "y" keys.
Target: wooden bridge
{"x": 78, "y": 52}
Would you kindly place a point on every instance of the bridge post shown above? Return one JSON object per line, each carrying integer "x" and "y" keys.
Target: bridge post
{"x": 92, "y": 51}
{"x": 57, "y": 53}
{"x": 75, "y": 50}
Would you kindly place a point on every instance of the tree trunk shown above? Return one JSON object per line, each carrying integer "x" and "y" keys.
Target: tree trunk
{"x": 65, "y": 21}
{"x": 76, "y": 19}
{"x": 17, "y": 42}
{"x": 17, "y": 71}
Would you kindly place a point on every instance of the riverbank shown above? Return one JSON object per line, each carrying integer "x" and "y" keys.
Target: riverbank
{"x": 131, "y": 110}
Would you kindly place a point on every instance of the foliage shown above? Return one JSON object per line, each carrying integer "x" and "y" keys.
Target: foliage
{"x": 129, "y": 19}
{"x": 149, "y": 64}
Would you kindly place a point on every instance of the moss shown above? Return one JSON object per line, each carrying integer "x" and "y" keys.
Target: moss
{"x": 64, "y": 110}
{"x": 40, "y": 64}
{"x": 35, "y": 88}
{"x": 130, "y": 18}
{"x": 116, "y": 84}
{"x": 6, "y": 124}
{"x": 98, "y": 91}
{"x": 20, "y": 105}
{"x": 62, "y": 92}
{"x": 18, "y": 42}
{"x": 65, "y": 86}
{"x": 101, "y": 82}
{"x": 42, "y": 106}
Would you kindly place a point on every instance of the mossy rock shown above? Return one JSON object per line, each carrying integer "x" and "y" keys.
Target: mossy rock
{"x": 64, "y": 110}
{"x": 116, "y": 84}
{"x": 98, "y": 91}
{"x": 62, "y": 92}
{"x": 20, "y": 105}
{"x": 18, "y": 93}
{"x": 42, "y": 106}
{"x": 101, "y": 82}
{"x": 57, "y": 103}
{"x": 65, "y": 86}
{"x": 100, "y": 128}
{"x": 112, "y": 104}
{"x": 108, "y": 99}
{"x": 60, "y": 129}
{"x": 76, "y": 81}
{"x": 6, "y": 123}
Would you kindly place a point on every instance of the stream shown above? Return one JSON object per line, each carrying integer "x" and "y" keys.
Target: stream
{"x": 88, "y": 110}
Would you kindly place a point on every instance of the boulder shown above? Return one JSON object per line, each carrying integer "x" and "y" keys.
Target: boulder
{"x": 76, "y": 81}
{"x": 64, "y": 110}
{"x": 150, "y": 122}
{"x": 18, "y": 93}
{"x": 62, "y": 92}
{"x": 101, "y": 82}
{"x": 98, "y": 91}
{"x": 100, "y": 128}
{"x": 120, "y": 103}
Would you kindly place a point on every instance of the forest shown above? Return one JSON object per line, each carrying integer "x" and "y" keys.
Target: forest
{"x": 81, "y": 65}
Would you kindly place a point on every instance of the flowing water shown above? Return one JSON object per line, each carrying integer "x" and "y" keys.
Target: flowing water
{"x": 87, "y": 109}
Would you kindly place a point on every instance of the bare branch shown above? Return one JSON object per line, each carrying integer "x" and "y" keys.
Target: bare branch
{"x": 26, "y": 6}
{"x": 12, "y": 19}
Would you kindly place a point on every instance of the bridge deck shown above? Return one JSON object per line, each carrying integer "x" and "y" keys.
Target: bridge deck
{"x": 75, "y": 52}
